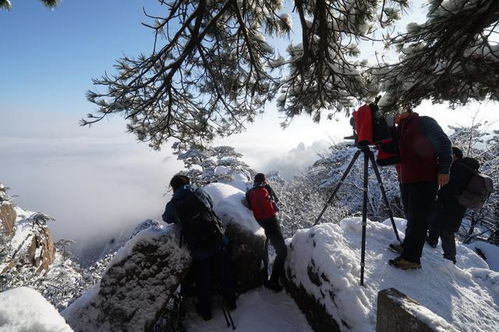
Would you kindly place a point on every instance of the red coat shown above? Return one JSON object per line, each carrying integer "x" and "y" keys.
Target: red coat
{"x": 418, "y": 158}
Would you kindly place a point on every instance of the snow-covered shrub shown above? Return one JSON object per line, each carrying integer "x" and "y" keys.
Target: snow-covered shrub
{"x": 303, "y": 198}
{"x": 206, "y": 164}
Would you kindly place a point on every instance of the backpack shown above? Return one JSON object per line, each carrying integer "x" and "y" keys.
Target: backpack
{"x": 261, "y": 204}
{"x": 201, "y": 227}
{"x": 476, "y": 191}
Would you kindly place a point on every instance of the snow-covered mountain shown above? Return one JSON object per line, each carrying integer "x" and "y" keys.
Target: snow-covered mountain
{"x": 322, "y": 268}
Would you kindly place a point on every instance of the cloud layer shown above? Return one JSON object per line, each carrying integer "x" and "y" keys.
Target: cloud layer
{"x": 93, "y": 181}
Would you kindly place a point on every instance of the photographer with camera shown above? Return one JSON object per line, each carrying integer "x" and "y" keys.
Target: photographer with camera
{"x": 425, "y": 160}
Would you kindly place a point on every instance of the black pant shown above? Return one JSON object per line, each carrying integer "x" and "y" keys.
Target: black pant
{"x": 274, "y": 234}
{"x": 210, "y": 272}
{"x": 448, "y": 240}
{"x": 418, "y": 199}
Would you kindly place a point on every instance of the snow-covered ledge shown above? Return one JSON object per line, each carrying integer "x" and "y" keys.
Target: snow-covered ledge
{"x": 322, "y": 275}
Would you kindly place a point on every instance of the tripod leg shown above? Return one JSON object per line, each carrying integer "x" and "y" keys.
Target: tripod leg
{"x": 383, "y": 193}
{"x": 355, "y": 156}
{"x": 225, "y": 310}
{"x": 364, "y": 218}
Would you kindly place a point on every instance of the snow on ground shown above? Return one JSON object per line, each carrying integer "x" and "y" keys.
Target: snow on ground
{"x": 490, "y": 251}
{"x": 466, "y": 294}
{"x": 24, "y": 309}
{"x": 228, "y": 204}
{"x": 257, "y": 310}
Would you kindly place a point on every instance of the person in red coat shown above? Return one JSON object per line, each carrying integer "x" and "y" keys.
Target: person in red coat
{"x": 262, "y": 201}
{"x": 425, "y": 159}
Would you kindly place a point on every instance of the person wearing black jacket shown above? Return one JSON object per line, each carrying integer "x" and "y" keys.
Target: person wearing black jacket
{"x": 210, "y": 263}
{"x": 425, "y": 159}
{"x": 448, "y": 214}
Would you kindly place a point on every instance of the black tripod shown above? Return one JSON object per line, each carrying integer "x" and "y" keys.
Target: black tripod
{"x": 368, "y": 155}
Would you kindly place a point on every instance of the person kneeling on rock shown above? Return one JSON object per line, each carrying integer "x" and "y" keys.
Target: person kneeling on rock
{"x": 203, "y": 232}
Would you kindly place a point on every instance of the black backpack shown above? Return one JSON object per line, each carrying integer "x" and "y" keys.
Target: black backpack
{"x": 201, "y": 228}
{"x": 476, "y": 191}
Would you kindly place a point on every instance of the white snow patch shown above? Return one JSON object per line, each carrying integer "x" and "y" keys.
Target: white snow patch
{"x": 257, "y": 310}
{"x": 490, "y": 251}
{"x": 24, "y": 309}
{"x": 147, "y": 235}
{"x": 228, "y": 204}
{"x": 465, "y": 294}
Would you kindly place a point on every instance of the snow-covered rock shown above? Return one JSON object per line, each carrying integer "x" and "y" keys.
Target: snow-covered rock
{"x": 324, "y": 262}
{"x": 136, "y": 286}
{"x": 246, "y": 236}
{"x": 31, "y": 242}
{"x": 398, "y": 312}
{"x": 7, "y": 218}
{"x": 24, "y": 309}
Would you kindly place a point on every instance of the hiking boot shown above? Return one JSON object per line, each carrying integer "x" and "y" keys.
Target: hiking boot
{"x": 206, "y": 315}
{"x": 396, "y": 248}
{"x": 273, "y": 286}
{"x": 432, "y": 244}
{"x": 452, "y": 259}
{"x": 401, "y": 263}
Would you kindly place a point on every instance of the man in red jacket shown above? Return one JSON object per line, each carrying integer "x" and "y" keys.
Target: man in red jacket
{"x": 261, "y": 200}
{"x": 425, "y": 159}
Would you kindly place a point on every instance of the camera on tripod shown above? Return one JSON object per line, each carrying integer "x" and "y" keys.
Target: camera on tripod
{"x": 370, "y": 127}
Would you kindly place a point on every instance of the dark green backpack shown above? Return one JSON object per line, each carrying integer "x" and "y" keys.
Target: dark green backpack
{"x": 201, "y": 228}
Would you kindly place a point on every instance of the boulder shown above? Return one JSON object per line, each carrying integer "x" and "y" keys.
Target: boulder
{"x": 399, "y": 313}
{"x": 246, "y": 253}
{"x": 136, "y": 286}
{"x": 41, "y": 252}
{"x": 7, "y": 218}
{"x": 246, "y": 236}
{"x": 35, "y": 244}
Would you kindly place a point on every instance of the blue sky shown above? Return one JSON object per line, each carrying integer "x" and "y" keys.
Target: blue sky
{"x": 50, "y": 56}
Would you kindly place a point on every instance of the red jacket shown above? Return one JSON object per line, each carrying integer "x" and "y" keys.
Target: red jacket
{"x": 425, "y": 150}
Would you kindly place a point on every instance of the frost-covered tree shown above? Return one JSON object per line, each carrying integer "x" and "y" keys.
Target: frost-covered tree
{"x": 7, "y": 4}
{"x": 206, "y": 164}
{"x": 213, "y": 66}
{"x": 300, "y": 202}
{"x": 453, "y": 56}
{"x": 326, "y": 173}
